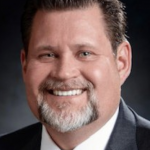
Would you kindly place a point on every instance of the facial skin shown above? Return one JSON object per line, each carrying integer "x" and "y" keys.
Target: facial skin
{"x": 69, "y": 47}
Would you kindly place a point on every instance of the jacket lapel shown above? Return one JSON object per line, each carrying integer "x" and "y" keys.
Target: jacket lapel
{"x": 124, "y": 133}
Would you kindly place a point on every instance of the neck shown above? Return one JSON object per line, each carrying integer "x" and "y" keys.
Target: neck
{"x": 69, "y": 140}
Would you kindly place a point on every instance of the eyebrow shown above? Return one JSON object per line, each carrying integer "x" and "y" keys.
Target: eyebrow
{"x": 84, "y": 45}
{"x": 47, "y": 47}
{"x": 75, "y": 46}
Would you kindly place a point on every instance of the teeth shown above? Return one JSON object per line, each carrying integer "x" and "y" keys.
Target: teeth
{"x": 67, "y": 93}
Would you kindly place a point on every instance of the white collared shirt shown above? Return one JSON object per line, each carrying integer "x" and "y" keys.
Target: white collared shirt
{"x": 97, "y": 141}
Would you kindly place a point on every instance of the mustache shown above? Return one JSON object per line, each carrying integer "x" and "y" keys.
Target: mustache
{"x": 53, "y": 84}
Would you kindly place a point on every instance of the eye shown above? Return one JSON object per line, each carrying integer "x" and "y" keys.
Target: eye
{"x": 47, "y": 55}
{"x": 85, "y": 54}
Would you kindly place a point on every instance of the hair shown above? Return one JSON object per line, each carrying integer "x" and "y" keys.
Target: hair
{"x": 113, "y": 12}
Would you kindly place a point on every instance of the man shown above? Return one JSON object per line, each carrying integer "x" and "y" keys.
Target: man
{"x": 74, "y": 61}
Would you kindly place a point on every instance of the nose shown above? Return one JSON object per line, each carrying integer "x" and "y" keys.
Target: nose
{"x": 65, "y": 68}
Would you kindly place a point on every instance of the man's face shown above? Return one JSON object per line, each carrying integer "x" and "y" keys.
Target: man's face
{"x": 70, "y": 72}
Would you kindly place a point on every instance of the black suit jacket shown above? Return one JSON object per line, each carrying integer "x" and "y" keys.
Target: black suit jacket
{"x": 131, "y": 132}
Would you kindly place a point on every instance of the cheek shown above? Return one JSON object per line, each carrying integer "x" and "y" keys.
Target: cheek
{"x": 104, "y": 76}
{"x": 98, "y": 71}
{"x": 35, "y": 74}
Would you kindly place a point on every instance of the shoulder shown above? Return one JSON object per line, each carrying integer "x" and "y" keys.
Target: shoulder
{"x": 135, "y": 130}
{"x": 142, "y": 132}
{"x": 20, "y": 137}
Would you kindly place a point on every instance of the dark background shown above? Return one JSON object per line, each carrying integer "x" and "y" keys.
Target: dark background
{"x": 14, "y": 111}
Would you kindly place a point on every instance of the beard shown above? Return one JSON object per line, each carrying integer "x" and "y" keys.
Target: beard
{"x": 67, "y": 120}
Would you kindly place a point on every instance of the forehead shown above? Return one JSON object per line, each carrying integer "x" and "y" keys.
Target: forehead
{"x": 88, "y": 14}
{"x": 75, "y": 25}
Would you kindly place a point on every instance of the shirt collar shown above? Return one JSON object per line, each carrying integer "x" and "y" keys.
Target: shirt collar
{"x": 97, "y": 141}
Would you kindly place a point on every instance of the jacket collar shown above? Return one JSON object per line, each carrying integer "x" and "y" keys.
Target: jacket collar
{"x": 124, "y": 134}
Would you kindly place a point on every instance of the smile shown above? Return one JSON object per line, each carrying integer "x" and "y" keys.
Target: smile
{"x": 67, "y": 93}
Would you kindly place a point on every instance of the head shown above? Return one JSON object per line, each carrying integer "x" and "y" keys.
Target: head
{"x": 74, "y": 61}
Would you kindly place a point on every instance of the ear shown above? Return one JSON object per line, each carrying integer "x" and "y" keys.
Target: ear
{"x": 124, "y": 60}
{"x": 23, "y": 62}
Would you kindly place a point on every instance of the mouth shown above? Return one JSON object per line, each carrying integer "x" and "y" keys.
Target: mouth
{"x": 66, "y": 93}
